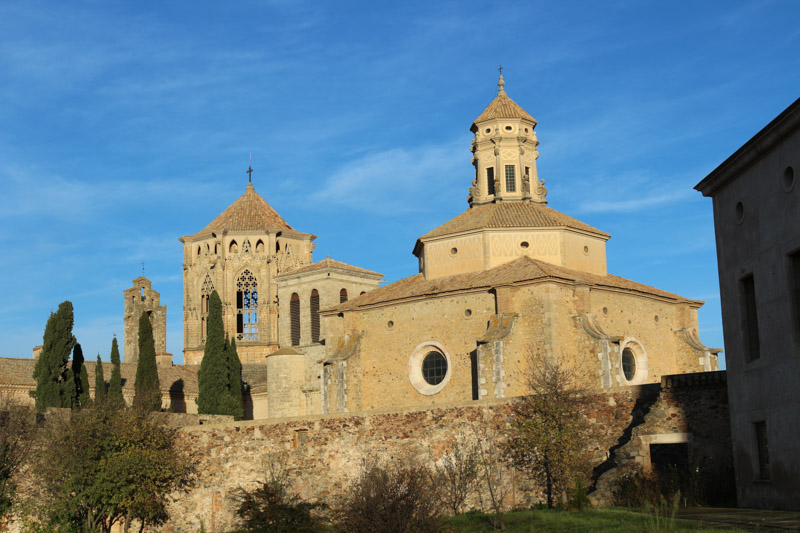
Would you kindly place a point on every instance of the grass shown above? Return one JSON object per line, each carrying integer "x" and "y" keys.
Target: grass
{"x": 543, "y": 520}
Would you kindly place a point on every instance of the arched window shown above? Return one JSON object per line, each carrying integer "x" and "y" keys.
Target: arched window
{"x": 246, "y": 246}
{"x": 314, "y": 308}
{"x": 342, "y": 296}
{"x": 260, "y": 246}
{"x": 294, "y": 317}
{"x": 205, "y": 293}
{"x": 233, "y": 247}
{"x": 362, "y": 292}
{"x": 246, "y": 306}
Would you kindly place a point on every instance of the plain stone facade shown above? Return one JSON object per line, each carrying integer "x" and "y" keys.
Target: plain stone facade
{"x": 757, "y": 223}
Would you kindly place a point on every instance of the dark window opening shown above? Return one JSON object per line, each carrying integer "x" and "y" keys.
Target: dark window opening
{"x": 669, "y": 457}
{"x": 314, "y": 308}
{"x": 762, "y": 448}
{"x": 473, "y": 365}
{"x": 342, "y": 296}
{"x": 294, "y": 318}
{"x": 747, "y": 290}
{"x": 434, "y": 368}
{"x": 794, "y": 288}
{"x": 511, "y": 179}
{"x": 490, "y": 179}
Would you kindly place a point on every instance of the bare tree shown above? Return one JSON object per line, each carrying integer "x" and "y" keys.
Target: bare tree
{"x": 548, "y": 433}
{"x": 389, "y": 499}
{"x": 454, "y": 475}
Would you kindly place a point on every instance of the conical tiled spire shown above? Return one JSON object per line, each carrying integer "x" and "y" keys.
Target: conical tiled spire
{"x": 503, "y": 106}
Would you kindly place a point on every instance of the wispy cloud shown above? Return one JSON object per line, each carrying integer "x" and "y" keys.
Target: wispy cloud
{"x": 633, "y": 203}
{"x": 391, "y": 182}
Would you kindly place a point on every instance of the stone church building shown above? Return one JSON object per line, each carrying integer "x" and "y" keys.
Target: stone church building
{"x": 507, "y": 278}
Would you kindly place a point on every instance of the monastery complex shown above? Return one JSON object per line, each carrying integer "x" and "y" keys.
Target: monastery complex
{"x": 507, "y": 278}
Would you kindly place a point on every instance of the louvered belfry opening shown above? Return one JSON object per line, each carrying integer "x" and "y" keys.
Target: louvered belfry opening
{"x": 342, "y": 296}
{"x": 314, "y": 308}
{"x": 294, "y": 317}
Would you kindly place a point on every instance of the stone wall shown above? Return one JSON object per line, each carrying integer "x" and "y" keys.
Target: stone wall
{"x": 324, "y": 454}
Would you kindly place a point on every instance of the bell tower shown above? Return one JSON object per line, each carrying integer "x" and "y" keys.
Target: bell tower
{"x": 504, "y": 154}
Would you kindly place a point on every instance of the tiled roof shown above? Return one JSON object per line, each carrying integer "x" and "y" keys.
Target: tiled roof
{"x": 520, "y": 270}
{"x": 510, "y": 215}
{"x": 250, "y": 212}
{"x": 328, "y": 263}
{"x": 17, "y": 371}
{"x": 504, "y": 107}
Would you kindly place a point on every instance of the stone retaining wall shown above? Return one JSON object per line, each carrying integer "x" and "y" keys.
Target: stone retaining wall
{"x": 324, "y": 453}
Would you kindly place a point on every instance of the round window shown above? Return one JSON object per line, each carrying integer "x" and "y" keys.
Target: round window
{"x": 628, "y": 364}
{"x": 429, "y": 368}
{"x": 434, "y": 368}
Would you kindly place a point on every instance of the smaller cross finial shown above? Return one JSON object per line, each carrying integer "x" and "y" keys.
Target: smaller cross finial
{"x": 501, "y": 82}
{"x": 142, "y": 268}
{"x": 250, "y": 169}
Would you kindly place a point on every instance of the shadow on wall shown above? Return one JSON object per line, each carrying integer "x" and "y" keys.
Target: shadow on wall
{"x": 648, "y": 395}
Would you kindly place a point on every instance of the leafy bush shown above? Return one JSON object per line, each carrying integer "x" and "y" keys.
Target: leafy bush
{"x": 390, "y": 500}
{"x": 272, "y": 506}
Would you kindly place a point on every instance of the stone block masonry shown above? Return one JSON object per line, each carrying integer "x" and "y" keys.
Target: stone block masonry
{"x": 323, "y": 454}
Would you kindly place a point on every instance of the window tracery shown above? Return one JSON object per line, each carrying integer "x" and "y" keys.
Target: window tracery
{"x": 246, "y": 246}
{"x": 205, "y": 294}
{"x": 246, "y": 305}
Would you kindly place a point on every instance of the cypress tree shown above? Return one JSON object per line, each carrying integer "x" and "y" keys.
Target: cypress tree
{"x": 213, "y": 397}
{"x": 99, "y": 383}
{"x": 81, "y": 378}
{"x": 51, "y": 370}
{"x": 235, "y": 380}
{"x": 147, "y": 389}
{"x": 115, "y": 385}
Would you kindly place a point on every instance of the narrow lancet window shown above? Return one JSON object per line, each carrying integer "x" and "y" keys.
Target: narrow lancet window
{"x": 205, "y": 294}
{"x": 294, "y": 318}
{"x": 490, "y": 179}
{"x": 314, "y": 309}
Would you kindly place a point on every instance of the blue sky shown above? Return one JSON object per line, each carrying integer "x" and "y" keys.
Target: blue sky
{"x": 125, "y": 125}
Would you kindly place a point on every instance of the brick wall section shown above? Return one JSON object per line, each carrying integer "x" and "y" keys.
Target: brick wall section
{"x": 324, "y": 453}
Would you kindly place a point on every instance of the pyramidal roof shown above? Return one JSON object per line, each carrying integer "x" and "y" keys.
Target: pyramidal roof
{"x": 511, "y": 215}
{"x": 250, "y": 212}
{"x": 503, "y": 107}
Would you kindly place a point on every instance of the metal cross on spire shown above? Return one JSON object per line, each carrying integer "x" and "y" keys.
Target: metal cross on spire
{"x": 142, "y": 268}
{"x": 500, "y": 68}
{"x": 250, "y": 169}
